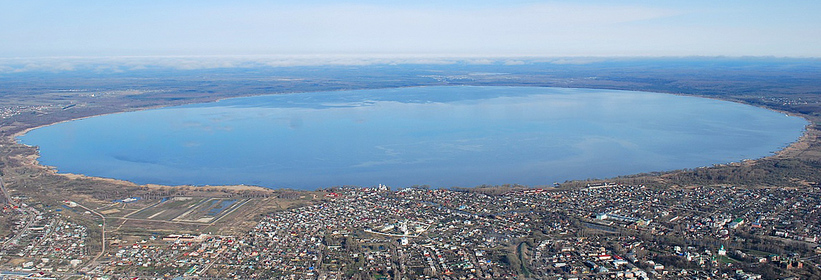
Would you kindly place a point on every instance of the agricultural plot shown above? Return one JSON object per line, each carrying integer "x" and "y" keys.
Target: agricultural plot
{"x": 210, "y": 210}
{"x": 168, "y": 209}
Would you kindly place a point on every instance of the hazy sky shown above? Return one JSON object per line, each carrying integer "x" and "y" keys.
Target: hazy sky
{"x": 33, "y": 28}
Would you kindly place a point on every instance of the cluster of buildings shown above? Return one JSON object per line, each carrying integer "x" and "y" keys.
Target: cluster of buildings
{"x": 583, "y": 256}
{"x": 43, "y": 242}
{"x": 13, "y": 110}
{"x": 601, "y": 232}
{"x": 720, "y": 213}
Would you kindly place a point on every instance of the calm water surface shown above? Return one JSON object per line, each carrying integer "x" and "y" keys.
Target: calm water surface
{"x": 439, "y": 136}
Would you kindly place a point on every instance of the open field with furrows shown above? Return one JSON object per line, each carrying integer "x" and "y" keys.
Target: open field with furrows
{"x": 189, "y": 209}
{"x": 194, "y": 215}
{"x": 210, "y": 210}
{"x": 168, "y": 209}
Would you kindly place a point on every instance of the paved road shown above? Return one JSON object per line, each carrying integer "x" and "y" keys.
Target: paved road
{"x": 102, "y": 250}
{"x": 6, "y": 197}
{"x": 29, "y": 213}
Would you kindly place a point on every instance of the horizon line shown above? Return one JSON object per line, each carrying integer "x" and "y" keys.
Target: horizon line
{"x": 119, "y": 64}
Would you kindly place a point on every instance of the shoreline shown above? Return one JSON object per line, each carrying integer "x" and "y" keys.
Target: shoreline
{"x": 792, "y": 149}
{"x": 32, "y": 160}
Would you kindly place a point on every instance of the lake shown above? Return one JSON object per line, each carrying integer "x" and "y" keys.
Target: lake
{"x": 438, "y": 136}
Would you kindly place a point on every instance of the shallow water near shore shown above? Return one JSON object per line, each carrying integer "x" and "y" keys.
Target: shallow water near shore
{"x": 438, "y": 136}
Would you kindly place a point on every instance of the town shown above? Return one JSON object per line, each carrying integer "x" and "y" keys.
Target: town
{"x": 756, "y": 219}
{"x": 598, "y": 232}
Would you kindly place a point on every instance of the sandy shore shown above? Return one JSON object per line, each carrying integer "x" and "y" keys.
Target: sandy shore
{"x": 31, "y": 160}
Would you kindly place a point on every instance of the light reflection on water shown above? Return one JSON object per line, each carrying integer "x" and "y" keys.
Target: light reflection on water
{"x": 439, "y": 136}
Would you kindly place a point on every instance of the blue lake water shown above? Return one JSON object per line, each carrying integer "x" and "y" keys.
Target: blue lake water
{"x": 438, "y": 136}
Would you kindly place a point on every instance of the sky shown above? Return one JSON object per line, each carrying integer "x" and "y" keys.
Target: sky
{"x": 506, "y": 28}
